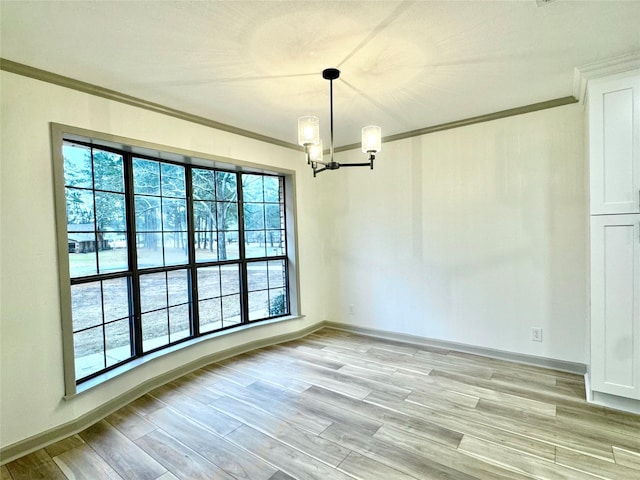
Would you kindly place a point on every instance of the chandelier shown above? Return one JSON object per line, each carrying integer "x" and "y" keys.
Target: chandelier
{"x": 309, "y": 137}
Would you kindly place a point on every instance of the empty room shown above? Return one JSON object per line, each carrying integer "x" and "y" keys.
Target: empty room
{"x": 350, "y": 240}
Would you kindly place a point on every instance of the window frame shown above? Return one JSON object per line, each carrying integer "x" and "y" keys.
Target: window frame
{"x": 162, "y": 153}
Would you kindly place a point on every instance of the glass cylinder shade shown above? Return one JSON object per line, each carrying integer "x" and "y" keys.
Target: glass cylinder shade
{"x": 371, "y": 139}
{"x": 315, "y": 152}
{"x": 308, "y": 130}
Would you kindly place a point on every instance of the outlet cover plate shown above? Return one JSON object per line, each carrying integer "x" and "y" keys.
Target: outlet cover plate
{"x": 536, "y": 334}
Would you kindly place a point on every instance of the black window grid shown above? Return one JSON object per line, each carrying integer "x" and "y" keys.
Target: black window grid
{"x": 133, "y": 272}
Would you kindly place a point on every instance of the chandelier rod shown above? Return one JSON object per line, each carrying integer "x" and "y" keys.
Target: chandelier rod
{"x": 331, "y": 111}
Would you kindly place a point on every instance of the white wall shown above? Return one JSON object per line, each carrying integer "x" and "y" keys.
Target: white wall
{"x": 31, "y": 374}
{"x": 472, "y": 235}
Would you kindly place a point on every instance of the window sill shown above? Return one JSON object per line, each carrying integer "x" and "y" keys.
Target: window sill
{"x": 180, "y": 370}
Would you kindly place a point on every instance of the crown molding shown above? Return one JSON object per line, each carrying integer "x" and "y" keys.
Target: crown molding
{"x": 611, "y": 66}
{"x": 49, "y": 77}
{"x": 534, "y": 107}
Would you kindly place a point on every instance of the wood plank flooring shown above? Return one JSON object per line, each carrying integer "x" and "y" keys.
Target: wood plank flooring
{"x": 340, "y": 406}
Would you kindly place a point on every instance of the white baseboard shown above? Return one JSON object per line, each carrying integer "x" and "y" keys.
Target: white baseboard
{"x": 59, "y": 432}
{"x": 587, "y": 387}
{"x": 551, "y": 363}
{"x": 613, "y": 402}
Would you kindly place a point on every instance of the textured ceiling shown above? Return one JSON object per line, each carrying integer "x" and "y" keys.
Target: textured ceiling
{"x": 256, "y": 65}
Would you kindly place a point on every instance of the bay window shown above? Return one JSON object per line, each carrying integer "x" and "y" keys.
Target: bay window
{"x": 161, "y": 251}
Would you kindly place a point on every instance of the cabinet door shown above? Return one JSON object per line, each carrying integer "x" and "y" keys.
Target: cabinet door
{"x": 615, "y": 304}
{"x": 614, "y": 144}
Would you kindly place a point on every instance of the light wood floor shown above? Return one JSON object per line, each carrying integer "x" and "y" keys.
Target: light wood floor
{"x": 336, "y": 406}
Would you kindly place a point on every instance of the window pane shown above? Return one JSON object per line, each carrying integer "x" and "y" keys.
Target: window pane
{"x": 116, "y": 299}
{"x": 89, "y": 342}
{"x": 226, "y": 186}
{"x": 81, "y": 263}
{"x": 88, "y": 347}
{"x": 277, "y": 273}
{"x": 179, "y": 322}
{"x": 253, "y": 216}
{"x": 173, "y": 181}
{"x": 228, "y": 246}
{"x": 252, "y": 188}
{"x": 174, "y": 214}
{"x": 205, "y": 237}
{"x": 110, "y": 212}
{"x": 278, "y": 304}
{"x": 178, "y": 287}
{"x": 146, "y": 177}
{"x": 114, "y": 255}
{"x": 227, "y": 216}
{"x": 148, "y": 217}
{"x": 258, "y": 305}
{"x": 272, "y": 189}
{"x": 155, "y": 330}
{"x": 230, "y": 310}
{"x": 175, "y": 248}
{"x": 255, "y": 244}
{"x": 108, "y": 171}
{"x": 204, "y": 214}
{"x": 230, "y": 279}
{"x": 210, "y": 312}
{"x": 86, "y": 305}
{"x": 206, "y": 244}
{"x": 204, "y": 184}
{"x": 209, "y": 282}
{"x": 118, "y": 341}
{"x": 153, "y": 291}
{"x": 257, "y": 276}
{"x": 274, "y": 217}
{"x": 149, "y": 250}
{"x": 79, "y": 210}
{"x": 275, "y": 243}
{"x": 77, "y": 166}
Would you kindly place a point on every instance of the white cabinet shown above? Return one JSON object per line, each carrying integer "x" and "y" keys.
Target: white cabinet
{"x": 614, "y": 181}
{"x": 614, "y": 144}
{"x": 615, "y": 304}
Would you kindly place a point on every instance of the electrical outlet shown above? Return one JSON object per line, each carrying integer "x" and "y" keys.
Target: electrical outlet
{"x": 352, "y": 309}
{"x": 536, "y": 334}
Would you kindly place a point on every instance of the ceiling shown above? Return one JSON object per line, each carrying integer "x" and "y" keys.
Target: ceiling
{"x": 256, "y": 65}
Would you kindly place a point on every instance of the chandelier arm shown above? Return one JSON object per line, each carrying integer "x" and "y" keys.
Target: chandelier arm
{"x": 318, "y": 170}
{"x": 361, "y": 164}
{"x": 323, "y": 163}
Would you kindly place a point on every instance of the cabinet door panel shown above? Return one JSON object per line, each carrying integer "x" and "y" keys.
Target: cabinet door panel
{"x": 614, "y": 145}
{"x": 615, "y": 304}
